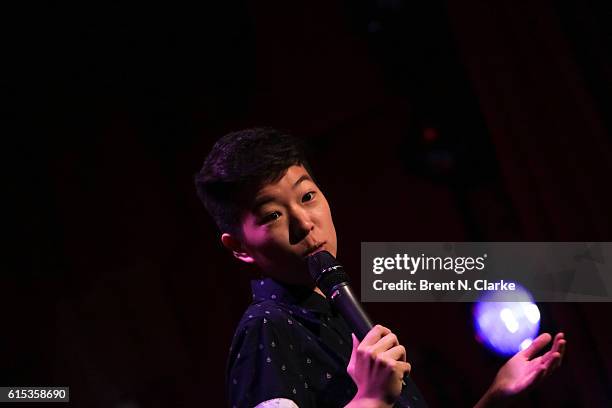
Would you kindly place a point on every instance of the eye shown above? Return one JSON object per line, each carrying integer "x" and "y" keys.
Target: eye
{"x": 270, "y": 217}
{"x": 308, "y": 196}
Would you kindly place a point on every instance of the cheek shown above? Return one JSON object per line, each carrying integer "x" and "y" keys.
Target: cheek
{"x": 326, "y": 217}
{"x": 268, "y": 241}
{"x": 325, "y": 222}
{"x": 254, "y": 236}
{"x": 274, "y": 242}
{"x": 331, "y": 229}
{"x": 332, "y": 233}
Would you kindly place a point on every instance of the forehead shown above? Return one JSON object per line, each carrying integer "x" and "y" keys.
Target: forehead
{"x": 289, "y": 181}
{"x": 290, "y": 178}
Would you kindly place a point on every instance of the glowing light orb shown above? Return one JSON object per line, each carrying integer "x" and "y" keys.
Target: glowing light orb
{"x": 506, "y": 327}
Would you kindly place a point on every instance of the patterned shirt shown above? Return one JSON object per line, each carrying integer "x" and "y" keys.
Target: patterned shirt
{"x": 290, "y": 343}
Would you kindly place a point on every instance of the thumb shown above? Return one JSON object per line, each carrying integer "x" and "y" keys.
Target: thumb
{"x": 355, "y": 345}
{"x": 352, "y": 359}
{"x": 355, "y": 341}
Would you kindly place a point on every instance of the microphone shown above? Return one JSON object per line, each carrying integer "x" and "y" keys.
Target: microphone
{"x": 330, "y": 277}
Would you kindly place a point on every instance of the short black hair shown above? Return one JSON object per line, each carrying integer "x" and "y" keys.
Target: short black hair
{"x": 238, "y": 165}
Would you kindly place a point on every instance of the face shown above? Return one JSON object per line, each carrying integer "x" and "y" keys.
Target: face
{"x": 289, "y": 220}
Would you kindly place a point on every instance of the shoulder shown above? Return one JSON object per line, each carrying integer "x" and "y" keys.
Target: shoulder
{"x": 267, "y": 320}
{"x": 275, "y": 314}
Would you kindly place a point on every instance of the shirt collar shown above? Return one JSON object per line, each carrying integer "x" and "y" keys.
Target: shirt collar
{"x": 270, "y": 289}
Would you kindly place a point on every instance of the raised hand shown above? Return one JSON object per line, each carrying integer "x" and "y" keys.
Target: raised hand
{"x": 523, "y": 371}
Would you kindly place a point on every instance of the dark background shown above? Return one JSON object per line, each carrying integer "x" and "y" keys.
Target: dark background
{"x": 428, "y": 121}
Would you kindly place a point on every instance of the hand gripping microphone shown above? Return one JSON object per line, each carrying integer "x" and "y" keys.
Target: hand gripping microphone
{"x": 330, "y": 277}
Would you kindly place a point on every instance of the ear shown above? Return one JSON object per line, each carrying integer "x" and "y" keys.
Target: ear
{"x": 235, "y": 246}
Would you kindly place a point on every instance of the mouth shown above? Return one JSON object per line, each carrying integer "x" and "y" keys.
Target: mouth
{"x": 318, "y": 247}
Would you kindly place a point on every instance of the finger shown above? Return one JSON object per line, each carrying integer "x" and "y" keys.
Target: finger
{"x": 355, "y": 345}
{"x": 375, "y": 334}
{"x": 550, "y": 359}
{"x": 555, "y": 360}
{"x": 387, "y": 342}
{"x": 405, "y": 366}
{"x": 557, "y": 347}
{"x": 396, "y": 353}
{"x": 400, "y": 367}
{"x": 537, "y": 345}
{"x": 556, "y": 343}
{"x": 561, "y": 350}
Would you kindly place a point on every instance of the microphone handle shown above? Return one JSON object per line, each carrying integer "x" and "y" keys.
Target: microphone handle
{"x": 347, "y": 304}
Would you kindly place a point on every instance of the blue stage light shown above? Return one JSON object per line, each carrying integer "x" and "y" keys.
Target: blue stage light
{"x": 506, "y": 327}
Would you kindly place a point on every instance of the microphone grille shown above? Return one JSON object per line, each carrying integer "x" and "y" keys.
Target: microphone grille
{"x": 326, "y": 271}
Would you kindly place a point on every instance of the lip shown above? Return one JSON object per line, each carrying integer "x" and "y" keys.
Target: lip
{"x": 314, "y": 249}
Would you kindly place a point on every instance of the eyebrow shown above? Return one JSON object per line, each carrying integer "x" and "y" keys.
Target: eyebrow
{"x": 303, "y": 178}
{"x": 260, "y": 201}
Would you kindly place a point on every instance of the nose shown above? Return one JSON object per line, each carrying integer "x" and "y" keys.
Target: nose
{"x": 300, "y": 225}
